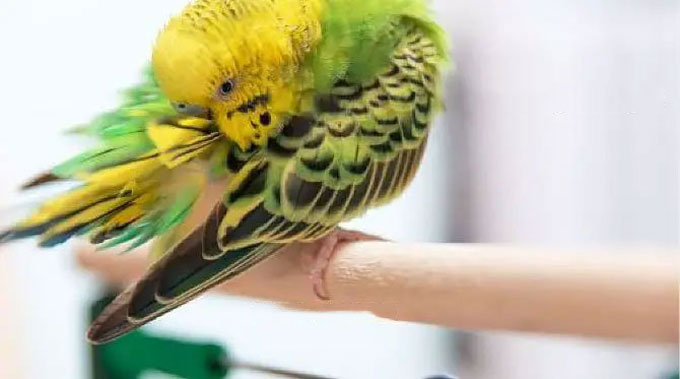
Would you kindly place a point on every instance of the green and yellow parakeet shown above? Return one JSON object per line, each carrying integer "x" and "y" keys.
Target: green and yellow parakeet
{"x": 310, "y": 112}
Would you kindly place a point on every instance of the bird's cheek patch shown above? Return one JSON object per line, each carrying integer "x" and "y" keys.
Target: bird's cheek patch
{"x": 263, "y": 123}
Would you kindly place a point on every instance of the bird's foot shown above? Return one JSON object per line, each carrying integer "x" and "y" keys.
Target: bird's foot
{"x": 328, "y": 245}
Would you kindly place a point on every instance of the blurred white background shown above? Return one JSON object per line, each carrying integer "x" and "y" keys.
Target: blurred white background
{"x": 562, "y": 127}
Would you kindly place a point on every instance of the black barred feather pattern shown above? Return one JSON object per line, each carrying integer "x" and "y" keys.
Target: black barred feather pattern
{"x": 359, "y": 147}
{"x": 176, "y": 279}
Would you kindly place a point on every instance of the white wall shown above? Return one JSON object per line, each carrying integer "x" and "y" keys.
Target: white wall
{"x": 569, "y": 110}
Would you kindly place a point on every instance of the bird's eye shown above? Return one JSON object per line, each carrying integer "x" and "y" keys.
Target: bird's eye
{"x": 181, "y": 106}
{"x": 226, "y": 88}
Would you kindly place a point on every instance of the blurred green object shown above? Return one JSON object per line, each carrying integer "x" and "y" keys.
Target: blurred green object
{"x": 140, "y": 353}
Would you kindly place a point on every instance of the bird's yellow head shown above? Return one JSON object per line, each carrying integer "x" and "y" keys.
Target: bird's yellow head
{"x": 236, "y": 61}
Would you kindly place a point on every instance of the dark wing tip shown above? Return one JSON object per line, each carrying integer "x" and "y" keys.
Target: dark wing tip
{"x": 180, "y": 276}
{"x": 38, "y": 181}
{"x": 6, "y": 236}
{"x": 112, "y": 322}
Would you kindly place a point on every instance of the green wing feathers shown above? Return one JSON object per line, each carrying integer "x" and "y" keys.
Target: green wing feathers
{"x": 177, "y": 278}
{"x": 121, "y": 133}
{"x": 130, "y": 188}
{"x": 360, "y": 36}
{"x": 360, "y": 149}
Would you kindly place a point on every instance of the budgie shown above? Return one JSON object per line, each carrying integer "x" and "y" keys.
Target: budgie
{"x": 309, "y": 112}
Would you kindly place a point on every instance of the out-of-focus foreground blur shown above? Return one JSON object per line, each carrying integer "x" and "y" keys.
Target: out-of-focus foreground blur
{"x": 561, "y": 128}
